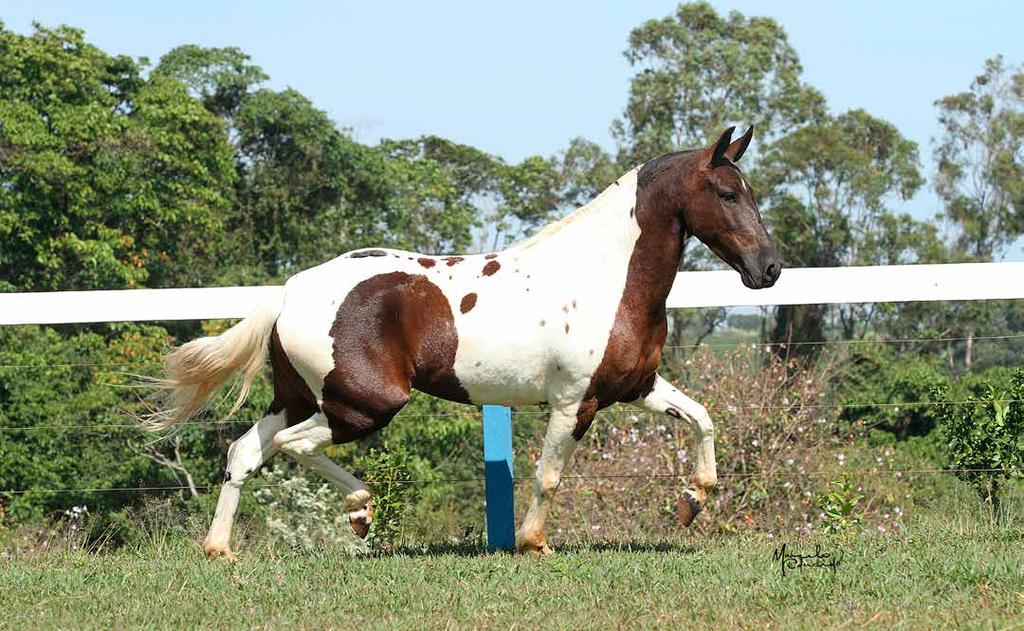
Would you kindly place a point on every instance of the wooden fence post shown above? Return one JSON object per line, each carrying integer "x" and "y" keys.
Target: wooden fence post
{"x": 498, "y": 483}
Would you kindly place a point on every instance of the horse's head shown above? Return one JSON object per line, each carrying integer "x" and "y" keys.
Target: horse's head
{"x": 718, "y": 208}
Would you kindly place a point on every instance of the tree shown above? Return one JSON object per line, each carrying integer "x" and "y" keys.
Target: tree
{"x": 434, "y": 185}
{"x": 585, "y": 169}
{"x": 826, "y": 186}
{"x": 985, "y": 432}
{"x": 698, "y": 71}
{"x": 441, "y": 190}
{"x": 220, "y": 77}
{"x": 307, "y": 192}
{"x": 107, "y": 179}
{"x": 980, "y": 156}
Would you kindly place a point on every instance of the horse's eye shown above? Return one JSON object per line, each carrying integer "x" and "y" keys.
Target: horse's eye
{"x": 728, "y": 197}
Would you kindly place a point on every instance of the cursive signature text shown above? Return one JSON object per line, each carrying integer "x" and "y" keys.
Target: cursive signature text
{"x": 789, "y": 560}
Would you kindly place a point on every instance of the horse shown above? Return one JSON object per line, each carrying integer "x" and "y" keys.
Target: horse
{"x": 573, "y": 317}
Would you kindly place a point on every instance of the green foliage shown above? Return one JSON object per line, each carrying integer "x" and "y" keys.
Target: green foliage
{"x": 307, "y": 191}
{"x": 839, "y": 505}
{"x": 902, "y": 383}
{"x": 980, "y": 156}
{"x": 387, "y": 472}
{"x": 107, "y": 179}
{"x": 436, "y": 184}
{"x": 220, "y": 77}
{"x": 985, "y": 432}
{"x": 50, "y": 380}
{"x": 698, "y": 71}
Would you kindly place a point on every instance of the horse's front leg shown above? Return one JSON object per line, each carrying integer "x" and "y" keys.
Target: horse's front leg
{"x": 665, "y": 398}
{"x": 560, "y": 442}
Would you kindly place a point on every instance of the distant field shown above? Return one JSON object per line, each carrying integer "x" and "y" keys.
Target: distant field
{"x": 938, "y": 575}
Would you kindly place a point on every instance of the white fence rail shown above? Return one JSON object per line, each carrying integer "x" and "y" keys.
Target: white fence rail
{"x": 812, "y": 285}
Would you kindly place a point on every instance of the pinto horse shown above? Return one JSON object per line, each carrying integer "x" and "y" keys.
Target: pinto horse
{"x": 573, "y": 317}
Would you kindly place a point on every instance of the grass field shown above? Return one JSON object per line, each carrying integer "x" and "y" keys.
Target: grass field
{"x": 936, "y": 575}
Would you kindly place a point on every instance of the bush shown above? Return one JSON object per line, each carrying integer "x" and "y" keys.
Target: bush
{"x": 880, "y": 375}
{"x": 774, "y": 430}
{"x": 387, "y": 475}
{"x": 985, "y": 433}
{"x": 305, "y": 515}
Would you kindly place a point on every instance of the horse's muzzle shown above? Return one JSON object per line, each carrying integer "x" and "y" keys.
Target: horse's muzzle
{"x": 761, "y": 270}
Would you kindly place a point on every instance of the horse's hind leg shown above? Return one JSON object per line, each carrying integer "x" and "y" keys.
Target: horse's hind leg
{"x": 245, "y": 456}
{"x": 304, "y": 442}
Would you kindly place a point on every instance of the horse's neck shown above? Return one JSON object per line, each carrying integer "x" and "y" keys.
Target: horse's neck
{"x": 604, "y": 230}
{"x": 620, "y": 233}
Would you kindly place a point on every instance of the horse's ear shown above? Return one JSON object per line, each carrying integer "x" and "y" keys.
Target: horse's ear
{"x": 736, "y": 149}
{"x": 715, "y": 152}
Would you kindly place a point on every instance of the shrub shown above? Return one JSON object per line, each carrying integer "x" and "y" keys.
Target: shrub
{"x": 774, "y": 430}
{"x": 304, "y": 515}
{"x": 880, "y": 375}
{"x": 387, "y": 475}
{"x": 839, "y": 505}
{"x": 985, "y": 432}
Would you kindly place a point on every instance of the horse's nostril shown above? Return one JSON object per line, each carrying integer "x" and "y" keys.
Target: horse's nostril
{"x": 772, "y": 273}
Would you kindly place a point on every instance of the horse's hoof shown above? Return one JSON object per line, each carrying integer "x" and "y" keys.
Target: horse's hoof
{"x": 219, "y": 553}
{"x": 536, "y": 549}
{"x": 360, "y": 512}
{"x": 360, "y": 524}
{"x": 688, "y": 508}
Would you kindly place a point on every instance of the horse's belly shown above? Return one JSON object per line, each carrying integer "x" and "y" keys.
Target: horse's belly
{"x": 506, "y": 374}
{"x": 526, "y": 352}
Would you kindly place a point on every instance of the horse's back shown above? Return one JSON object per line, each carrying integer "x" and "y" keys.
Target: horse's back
{"x": 378, "y": 307}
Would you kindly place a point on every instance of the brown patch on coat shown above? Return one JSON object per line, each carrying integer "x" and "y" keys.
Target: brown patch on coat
{"x": 491, "y": 256}
{"x": 567, "y": 328}
{"x": 468, "y": 302}
{"x": 365, "y": 253}
{"x": 453, "y": 260}
{"x": 425, "y": 262}
{"x": 392, "y": 332}
{"x": 543, "y": 322}
{"x": 677, "y": 195}
{"x": 291, "y": 393}
{"x": 491, "y": 268}
{"x": 631, "y": 357}
{"x": 585, "y": 414}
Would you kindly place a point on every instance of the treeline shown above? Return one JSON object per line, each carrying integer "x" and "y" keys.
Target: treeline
{"x": 116, "y": 172}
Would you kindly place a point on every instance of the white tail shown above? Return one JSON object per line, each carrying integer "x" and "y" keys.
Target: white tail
{"x": 195, "y": 370}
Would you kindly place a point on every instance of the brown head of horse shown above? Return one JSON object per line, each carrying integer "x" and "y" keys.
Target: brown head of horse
{"x": 714, "y": 203}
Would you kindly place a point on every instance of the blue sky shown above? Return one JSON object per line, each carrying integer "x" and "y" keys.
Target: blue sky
{"x": 523, "y": 78}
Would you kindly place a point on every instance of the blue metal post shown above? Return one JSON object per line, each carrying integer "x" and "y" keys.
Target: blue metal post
{"x": 501, "y": 526}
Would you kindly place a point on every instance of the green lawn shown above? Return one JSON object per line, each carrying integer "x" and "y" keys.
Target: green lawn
{"x": 937, "y": 575}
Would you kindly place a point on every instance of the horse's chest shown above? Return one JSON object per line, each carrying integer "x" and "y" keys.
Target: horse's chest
{"x": 630, "y": 360}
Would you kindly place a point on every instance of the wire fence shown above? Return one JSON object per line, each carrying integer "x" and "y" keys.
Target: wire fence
{"x": 853, "y": 342}
{"x": 103, "y": 427}
{"x": 525, "y": 479}
{"x": 538, "y": 413}
{"x": 533, "y": 413}
{"x": 707, "y": 345}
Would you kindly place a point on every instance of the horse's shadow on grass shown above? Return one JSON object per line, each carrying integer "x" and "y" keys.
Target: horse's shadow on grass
{"x": 476, "y": 548}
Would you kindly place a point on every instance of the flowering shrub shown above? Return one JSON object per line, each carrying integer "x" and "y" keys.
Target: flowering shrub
{"x": 775, "y": 430}
{"x": 303, "y": 515}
